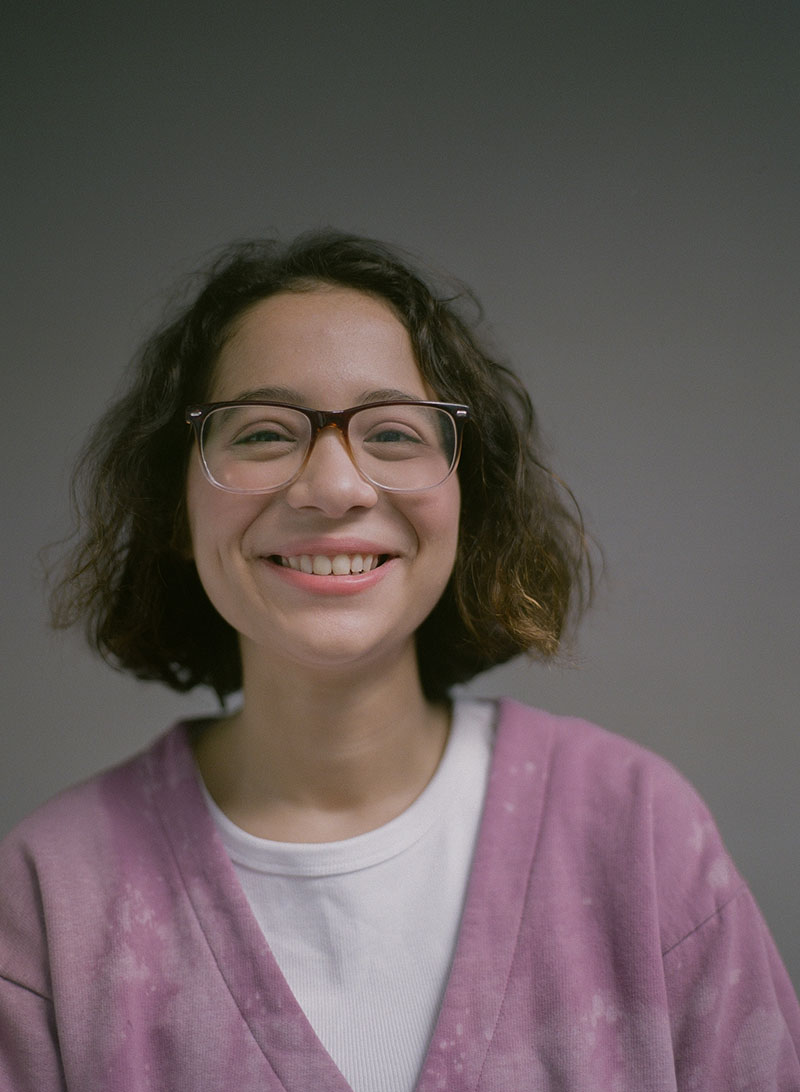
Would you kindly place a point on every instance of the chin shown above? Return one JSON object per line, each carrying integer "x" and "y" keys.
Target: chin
{"x": 329, "y": 650}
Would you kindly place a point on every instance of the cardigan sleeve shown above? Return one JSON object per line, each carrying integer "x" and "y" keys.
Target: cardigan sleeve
{"x": 30, "y": 1051}
{"x": 735, "y": 1019}
{"x": 734, "y": 1016}
{"x": 30, "y": 1059}
{"x": 29, "y": 1056}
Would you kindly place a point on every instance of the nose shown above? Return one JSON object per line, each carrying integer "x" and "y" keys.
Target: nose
{"x": 330, "y": 480}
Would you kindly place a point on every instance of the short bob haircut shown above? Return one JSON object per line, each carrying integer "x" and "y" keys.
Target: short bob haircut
{"x": 522, "y": 570}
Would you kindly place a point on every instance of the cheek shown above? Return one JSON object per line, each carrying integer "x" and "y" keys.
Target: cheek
{"x": 221, "y": 527}
{"x": 441, "y": 521}
{"x": 213, "y": 517}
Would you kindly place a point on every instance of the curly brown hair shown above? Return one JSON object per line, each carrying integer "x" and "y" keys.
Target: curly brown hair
{"x": 522, "y": 570}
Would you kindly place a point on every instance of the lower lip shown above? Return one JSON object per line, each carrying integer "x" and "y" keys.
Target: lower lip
{"x": 329, "y": 585}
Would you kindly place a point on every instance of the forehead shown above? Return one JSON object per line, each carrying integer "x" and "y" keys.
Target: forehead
{"x": 327, "y": 342}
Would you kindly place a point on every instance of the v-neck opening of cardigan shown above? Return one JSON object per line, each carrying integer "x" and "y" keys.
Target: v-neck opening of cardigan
{"x": 487, "y": 934}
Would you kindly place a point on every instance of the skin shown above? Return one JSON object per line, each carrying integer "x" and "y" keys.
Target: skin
{"x": 335, "y": 736}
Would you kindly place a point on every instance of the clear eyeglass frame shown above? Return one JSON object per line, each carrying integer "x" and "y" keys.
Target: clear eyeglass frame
{"x": 198, "y": 416}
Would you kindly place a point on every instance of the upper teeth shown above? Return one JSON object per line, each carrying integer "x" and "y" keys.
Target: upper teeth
{"x": 340, "y": 565}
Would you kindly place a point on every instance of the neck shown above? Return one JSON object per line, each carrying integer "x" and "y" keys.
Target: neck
{"x": 321, "y": 757}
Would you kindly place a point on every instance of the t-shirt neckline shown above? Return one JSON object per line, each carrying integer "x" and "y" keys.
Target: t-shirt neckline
{"x": 374, "y": 846}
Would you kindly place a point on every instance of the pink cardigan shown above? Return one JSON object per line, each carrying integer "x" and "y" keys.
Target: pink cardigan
{"x": 607, "y": 940}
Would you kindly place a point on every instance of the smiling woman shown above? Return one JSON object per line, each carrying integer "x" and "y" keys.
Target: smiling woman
{"x": 131, "y": 580}
{"x": 321, "y": 494}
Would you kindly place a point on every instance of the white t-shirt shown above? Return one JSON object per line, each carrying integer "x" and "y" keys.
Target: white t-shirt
{"x": 364, "y": 929}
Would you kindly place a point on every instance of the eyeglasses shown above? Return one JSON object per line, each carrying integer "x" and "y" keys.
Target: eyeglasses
{"x": 258, "y": 447}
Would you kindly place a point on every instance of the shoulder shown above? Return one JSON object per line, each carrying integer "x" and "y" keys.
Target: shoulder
{"x": 628, "y": 879}
{"x": 622, "y": 812}
{"x": 86, "y": 814}
{"x": 67, "y": 858}
{"x": 591, "y": 760}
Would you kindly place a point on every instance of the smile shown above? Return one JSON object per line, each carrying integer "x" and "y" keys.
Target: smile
{"x": 339, "y": 565}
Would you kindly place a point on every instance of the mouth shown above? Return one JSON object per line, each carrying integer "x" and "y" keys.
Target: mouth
{"x": 336, "y": 565}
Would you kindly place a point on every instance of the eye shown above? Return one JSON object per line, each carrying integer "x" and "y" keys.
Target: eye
{"x": 391, "y": 434}
{"x": 264, "y": 434}
{"x": 250, "y": 433}
{"x": 394, "y": 441}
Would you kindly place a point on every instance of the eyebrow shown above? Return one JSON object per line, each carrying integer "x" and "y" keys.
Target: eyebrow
{"x": 289, "y": 394}
{"x": 268, "y": 394}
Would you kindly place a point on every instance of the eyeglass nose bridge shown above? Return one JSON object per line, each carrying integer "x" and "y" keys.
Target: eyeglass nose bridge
{"x": 335, "y": 419}
{"x": 321, "y": 419}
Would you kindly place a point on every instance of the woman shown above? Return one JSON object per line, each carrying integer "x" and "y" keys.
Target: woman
{"x": 350, "y": 881}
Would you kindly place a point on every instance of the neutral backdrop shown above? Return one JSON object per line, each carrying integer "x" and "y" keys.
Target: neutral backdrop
{"x": 619, "y": 184}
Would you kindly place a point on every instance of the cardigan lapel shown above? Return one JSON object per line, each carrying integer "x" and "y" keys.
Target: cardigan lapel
{"x": 494, "y": 903}
{"x": 240, "y": 951}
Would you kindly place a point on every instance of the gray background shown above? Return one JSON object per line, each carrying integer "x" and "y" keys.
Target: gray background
{"x": 618, "y": 182}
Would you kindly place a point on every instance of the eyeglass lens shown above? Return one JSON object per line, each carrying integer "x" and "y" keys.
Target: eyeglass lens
{"x": 252, "y": 448}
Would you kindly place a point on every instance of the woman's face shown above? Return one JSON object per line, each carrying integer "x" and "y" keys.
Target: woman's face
{"x": 327, "y": 348}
